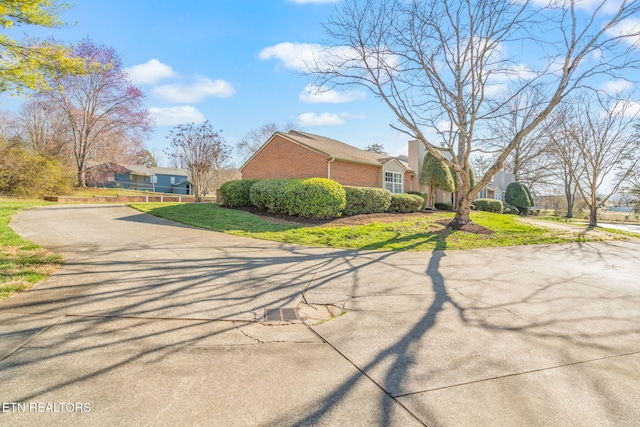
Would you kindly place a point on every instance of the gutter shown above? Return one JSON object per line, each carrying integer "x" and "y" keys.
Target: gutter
{"x": 329, "y": 167}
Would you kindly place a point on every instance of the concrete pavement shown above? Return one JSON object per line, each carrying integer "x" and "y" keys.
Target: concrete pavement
{"x": 152, "y": 323}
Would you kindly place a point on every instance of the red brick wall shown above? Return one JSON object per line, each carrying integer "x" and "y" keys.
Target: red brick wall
{"x": 355, "y": 174}
{"x": 282, "y": 159}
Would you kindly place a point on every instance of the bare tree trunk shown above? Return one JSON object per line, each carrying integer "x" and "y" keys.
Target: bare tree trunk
{"x": 569, "y": 194}
{"x": 82, "y": 177}
{"x": 463, "y": 209}
{"x": 593, "y": 215}
{"x": 432, "y": 196}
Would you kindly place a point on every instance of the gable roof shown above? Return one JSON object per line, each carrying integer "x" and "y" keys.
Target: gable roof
{"x": 337, "y": 149}
{"x": 331, "y": 148}
{"x": 154, "y": 170}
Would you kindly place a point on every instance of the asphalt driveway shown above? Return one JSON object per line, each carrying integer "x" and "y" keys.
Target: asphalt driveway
{"x": 153, "y": 323}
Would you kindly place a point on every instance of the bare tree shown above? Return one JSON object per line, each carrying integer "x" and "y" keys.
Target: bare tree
{"x": 442, "y": 66}
{"x": 599, "y": 149}
{"x": 376, "y": 148}
{"x": 253, "y": 140}
{"x": 200, "y": 150}
{"x": 8, "y": 126}
{"x": 103, "y": 110}
{"x": 529, "y": 160}
{"x": 44, "y": 128}
{"x": 564, "y": 157}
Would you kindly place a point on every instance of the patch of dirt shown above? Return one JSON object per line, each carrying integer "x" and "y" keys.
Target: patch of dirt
{"x": 469, "y": 228}
{"x": 335, "y": 222}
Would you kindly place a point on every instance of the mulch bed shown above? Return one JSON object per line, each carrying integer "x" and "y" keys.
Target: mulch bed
{"x": 361, "y": 220}
{"x": 469, "y": 228}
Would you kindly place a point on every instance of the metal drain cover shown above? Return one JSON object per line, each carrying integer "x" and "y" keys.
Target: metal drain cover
{"x": 280, "y": 314}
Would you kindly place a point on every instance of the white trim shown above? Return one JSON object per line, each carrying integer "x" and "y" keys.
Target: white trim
{"x": 394, "y": 183}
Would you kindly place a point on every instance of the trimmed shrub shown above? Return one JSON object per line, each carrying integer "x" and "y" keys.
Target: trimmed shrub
{"x": 518, "y": 196}
{"x": 405, "y": 203}
{"x": 509, "y": 209}
{"x": 315, "y": 198}
{"x": 424, "y": 196}
{"x": 269, "y": 195}
{"x": 366, "y": 200}
{"x": 488, "y": 205}
{"x": 236, "y": 193}
{"x": 443, "y": 206}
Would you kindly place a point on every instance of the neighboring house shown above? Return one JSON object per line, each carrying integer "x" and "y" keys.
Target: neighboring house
{"x": 303, "y": 155}
{"x": 139, "y": 177}
{"x": 417, "y": 152}
{"x": 498, "y": 186}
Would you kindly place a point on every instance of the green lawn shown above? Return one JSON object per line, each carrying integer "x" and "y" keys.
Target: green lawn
{"x": 419, "y": 233}
{"x": 22, "y": 263}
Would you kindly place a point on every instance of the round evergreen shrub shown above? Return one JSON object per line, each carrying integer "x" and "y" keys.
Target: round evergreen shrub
{"x": 315, "y": 198}
{"x": 443, "y": 206}
{"x": 424, "y": 196}
{"x": 366, "y": 200}
{"x": 236, "y": 193}
{"x": 269, "y": 195}
{"x": 509, "y": 209}
{"x": 488, "y": 205}
{"x": 405, "y": 203}
{"x": 518, "y": 196}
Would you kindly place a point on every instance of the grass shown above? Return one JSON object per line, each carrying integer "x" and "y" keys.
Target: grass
{"x": 22, "y": 263}
{"x": 420, "y": 233}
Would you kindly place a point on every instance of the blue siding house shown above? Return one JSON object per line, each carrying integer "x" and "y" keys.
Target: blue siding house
{"x": 140, "y": 177}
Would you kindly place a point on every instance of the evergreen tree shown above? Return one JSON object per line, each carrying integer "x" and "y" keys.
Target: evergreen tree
{"x": 436, "y": 175}
{"x": 517, "y": 194}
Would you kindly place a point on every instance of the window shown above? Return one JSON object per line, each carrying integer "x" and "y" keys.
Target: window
{"x": 154, "y": 179}
{"x": 173, "y": 180}
{"x": 393, "y": 182}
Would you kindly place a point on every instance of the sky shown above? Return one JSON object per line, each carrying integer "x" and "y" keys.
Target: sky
{"x": 219, "y": 60}
{"x": 235, "y": 63}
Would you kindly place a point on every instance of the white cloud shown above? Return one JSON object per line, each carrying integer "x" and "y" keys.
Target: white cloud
{"x": 306, "y": 57}
{"x": 609, "y": 7}
{"x": 296, "y": 56}
{"x": 627, "y": 108}
{"x": 630, "y": 28}
{"x": 150, "y": 72}
{"x": 171, "y": 116}
{"x": 326, "y": 119}
{"x": 195, "y": 92}
{"x": 616, "y": 86}
{"x": 322, "y": 119}
{"x": 313, "y": 94}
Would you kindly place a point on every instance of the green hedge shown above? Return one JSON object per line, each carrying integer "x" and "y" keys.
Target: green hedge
{"x": 269, "y": 195}
{"x": 405, "y": 203}
{"x": 443, "y": 206}
{"x": 315, "y": 198}
{"x": 424, "y": 196}
{"x": 366, "y": 200}
{"x": 510, "y": 209}
{"x": 236, "y": 193}
{"x": 517, "y": 194}
{"x": 488, "y": 205}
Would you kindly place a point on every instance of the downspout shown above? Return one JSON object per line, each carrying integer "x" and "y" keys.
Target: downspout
{"x": 329, "y": 167}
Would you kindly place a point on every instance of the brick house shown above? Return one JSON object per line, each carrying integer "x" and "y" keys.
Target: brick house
{"x": 303, "y": 155}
